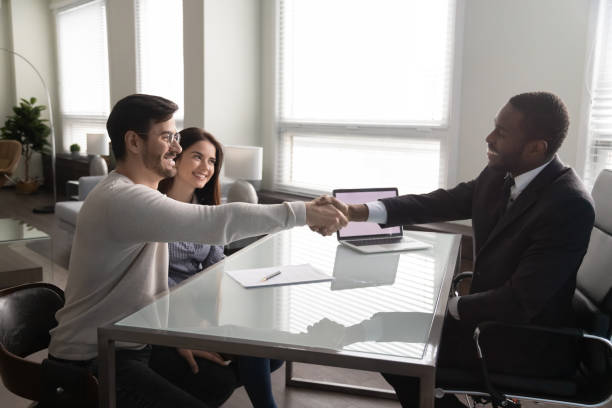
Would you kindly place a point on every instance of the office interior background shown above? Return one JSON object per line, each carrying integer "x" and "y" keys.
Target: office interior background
{"x": 228, "y": 65}
{"x": 403, "y": 96}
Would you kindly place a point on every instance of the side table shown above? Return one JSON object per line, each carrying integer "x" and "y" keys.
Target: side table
{"x": 20, "y": 264}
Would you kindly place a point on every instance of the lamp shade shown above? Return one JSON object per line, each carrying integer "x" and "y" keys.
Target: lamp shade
{"x": 97, "y": 144}
{"x": 243, "y": 162}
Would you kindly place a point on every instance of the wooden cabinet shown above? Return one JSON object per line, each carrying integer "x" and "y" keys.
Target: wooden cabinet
{"x": 67, "y": 168}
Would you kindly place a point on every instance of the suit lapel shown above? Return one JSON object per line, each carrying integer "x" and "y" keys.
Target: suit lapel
{"x": 527, "y": 198}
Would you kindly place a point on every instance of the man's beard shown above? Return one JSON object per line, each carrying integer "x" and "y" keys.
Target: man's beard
{"x": 153, "y": 162}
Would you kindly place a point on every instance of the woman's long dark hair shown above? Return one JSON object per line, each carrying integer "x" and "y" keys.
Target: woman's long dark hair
{"x": 211, "y": 193}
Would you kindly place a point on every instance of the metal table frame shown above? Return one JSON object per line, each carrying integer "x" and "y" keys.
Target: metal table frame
{"x": 424, "y": 368}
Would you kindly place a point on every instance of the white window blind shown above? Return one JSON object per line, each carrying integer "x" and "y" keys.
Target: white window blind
{"x": 364, "y": 90}
{"x": 599, "y": 149}
{"x": 83, "y": 71}
{"x": 159, "y": 50}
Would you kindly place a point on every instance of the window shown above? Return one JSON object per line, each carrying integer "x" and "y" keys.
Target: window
{"x": 364, "y": 91}
{"x": 83, "y": 71}
{"x": 159, "y": 50}
{"x": 599, "y": 138}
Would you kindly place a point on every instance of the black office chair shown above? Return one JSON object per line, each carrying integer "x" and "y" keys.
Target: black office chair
{"x": 591, "y": 385}
{"x": 27, "y": 313}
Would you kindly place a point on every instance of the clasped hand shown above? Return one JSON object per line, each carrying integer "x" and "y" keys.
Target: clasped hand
{"x": 326, "y": 215}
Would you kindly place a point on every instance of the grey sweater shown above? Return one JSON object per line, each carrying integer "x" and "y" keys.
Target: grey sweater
{"x": 119, "y": 258}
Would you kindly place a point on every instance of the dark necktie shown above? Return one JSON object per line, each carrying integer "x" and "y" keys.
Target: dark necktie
{"x": 503, "y": 202}
{"x": 508, "y": 183}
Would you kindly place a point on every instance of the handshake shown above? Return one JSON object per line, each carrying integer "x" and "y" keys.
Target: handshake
{"x": 327, "y": 215}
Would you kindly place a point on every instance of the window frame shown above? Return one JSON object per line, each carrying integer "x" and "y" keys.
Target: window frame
{"x": 96, "y": 121}
{"x": 586, "y": 142}
{"x": 447, "y": 134}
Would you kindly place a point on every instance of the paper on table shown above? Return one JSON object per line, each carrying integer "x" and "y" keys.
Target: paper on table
{"x": 290, "y": 275}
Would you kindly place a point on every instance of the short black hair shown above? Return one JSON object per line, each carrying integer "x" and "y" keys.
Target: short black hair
{"x": 138, "y": 113}
{"x": 545, "y": 117}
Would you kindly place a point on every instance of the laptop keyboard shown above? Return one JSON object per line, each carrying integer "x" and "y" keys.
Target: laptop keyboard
{"x": 377, "y": 241}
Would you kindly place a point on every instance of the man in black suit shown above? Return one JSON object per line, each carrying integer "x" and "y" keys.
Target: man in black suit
{"x": 532, "y": 219}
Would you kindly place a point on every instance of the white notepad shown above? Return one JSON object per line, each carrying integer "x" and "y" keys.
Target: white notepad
{"x": 289, "y": 275}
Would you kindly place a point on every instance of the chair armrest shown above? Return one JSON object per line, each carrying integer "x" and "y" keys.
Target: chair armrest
{"x": 457, "y": 280}
{"x": 563, "y": 331}
{"x": 86, "y": 184}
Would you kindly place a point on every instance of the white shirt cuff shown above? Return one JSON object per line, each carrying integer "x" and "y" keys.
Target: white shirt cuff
{"x": 299, "y": 209}
{"x": 377, "y": 212}
{"x": 453, "y": 307}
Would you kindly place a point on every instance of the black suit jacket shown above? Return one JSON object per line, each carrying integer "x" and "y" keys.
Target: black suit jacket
{"x": 525, "y": 263}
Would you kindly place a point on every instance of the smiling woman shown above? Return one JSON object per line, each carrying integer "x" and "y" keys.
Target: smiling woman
{"x": 197, "y": 181}
{"x": 198, "y": 167}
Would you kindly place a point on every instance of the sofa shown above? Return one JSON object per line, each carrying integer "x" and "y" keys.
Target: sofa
{"x": 67, "y": 211}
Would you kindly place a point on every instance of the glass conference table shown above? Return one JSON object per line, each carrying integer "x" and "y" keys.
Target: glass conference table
{"x": 381, "y": 312}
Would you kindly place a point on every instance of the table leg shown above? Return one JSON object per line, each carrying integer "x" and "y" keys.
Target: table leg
{"x": 106, "y": 370}
{"x": 427, "y": 389}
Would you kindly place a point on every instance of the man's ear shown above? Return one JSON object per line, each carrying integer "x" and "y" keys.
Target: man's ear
{"x": 538, "y": 147}
{"x": 133, "y": 142}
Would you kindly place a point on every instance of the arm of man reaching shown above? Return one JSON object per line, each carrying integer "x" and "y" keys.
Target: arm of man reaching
{"x": 141, "y": 214}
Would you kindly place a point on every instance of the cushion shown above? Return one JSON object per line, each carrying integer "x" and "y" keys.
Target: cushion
{"x": 594, "y": 278}
{"x": 602, "y": 191}
{"x": 68, "y": 211}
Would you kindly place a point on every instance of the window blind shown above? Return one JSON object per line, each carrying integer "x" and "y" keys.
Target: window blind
{"x": 159, "y": 50}
{"x": 599, "y": 149}
{"x": 83, "y": 71}
{"x": 363, "y": 94}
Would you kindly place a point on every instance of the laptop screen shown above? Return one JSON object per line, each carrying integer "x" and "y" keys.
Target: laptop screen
{"x": 362, "y": 196}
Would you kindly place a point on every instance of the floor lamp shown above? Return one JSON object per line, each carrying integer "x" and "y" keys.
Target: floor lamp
{"x": 47, "y": 209}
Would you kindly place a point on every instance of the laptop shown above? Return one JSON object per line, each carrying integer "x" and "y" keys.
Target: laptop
{"x": 369, "y": 237}
{"x": 353, "y": 271}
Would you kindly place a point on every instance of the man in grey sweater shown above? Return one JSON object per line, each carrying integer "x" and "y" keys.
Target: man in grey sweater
{"x": 119, "y": 259}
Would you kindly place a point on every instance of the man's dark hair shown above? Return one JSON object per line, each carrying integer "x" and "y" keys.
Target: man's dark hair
{"x": 545, "y": 117}
{"x": 138, "y": 113}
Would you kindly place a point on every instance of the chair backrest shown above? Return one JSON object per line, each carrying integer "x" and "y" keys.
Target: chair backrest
{"x": 27, "y": 313}
{"x": 594, "y": 279}
{"x": 10, "y": 154}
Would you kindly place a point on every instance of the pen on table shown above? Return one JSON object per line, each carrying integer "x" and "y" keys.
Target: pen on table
{"x": 270, "y": 276}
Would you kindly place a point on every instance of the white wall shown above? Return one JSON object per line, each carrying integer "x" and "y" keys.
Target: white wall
{"x": 514, "y": 46}
{"x": 232, "y": 70}
{"x": 28, "y": 29}
{"x": 121, "y": 48}
{"x": 7, "y": 96}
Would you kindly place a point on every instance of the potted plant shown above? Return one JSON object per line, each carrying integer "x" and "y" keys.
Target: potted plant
{"x": 27, "y": 127}
{"x": 75, "y": 149}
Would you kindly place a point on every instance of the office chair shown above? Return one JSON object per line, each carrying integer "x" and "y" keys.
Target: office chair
{"x": 591, "y": 385}
{"x": 27, "y": 313}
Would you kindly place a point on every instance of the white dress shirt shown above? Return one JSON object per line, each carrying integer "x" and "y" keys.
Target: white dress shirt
{"x": 378, "y": 214}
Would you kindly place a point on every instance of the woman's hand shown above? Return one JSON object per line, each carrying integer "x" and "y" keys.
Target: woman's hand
{"x": 190, "y": 355}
